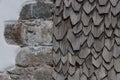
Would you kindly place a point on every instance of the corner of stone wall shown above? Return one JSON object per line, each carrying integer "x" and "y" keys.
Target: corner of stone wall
{"x": 33, "y": 33}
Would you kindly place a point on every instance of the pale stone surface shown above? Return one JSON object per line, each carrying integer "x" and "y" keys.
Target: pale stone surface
{"x": 40, "y": 34}
{"x": 29, "y": 32}
{"x": 20, "y": 73}
{"x": 32, "y": 57}
{"x": 43, "y": 72}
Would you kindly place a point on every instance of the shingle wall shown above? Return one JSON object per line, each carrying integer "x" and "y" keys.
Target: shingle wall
{"x": 87, "y": 40}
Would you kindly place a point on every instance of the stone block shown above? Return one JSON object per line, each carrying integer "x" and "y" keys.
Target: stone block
{"x": 14, "y": 33}
{"x": 34, "y": 57}
{"x": 36, "y": 10}
{"x": 43, "y": 73}
{"x": 40, "y": 33}
{"x": 29, "y": 32}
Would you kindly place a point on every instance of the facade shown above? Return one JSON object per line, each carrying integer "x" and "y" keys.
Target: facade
{"x": 86, "y": 40}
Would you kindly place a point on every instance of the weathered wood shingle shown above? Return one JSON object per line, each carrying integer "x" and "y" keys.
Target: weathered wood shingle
{"x": 88, "y": 40}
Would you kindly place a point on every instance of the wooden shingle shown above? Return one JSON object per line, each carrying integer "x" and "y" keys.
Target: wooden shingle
{"x": 108, "y": 66}
{"x": 75, "y": 17}
{"x": 77, "y": 28}
{"x": 87, "y": 34}
{"x": 84, "y": 52}
{"x": 58, "y": 3}
{"x": 85, "y": 19}
{"x": 114, "y": 2}
{"x": 116, "y": 51}
{"x": 97, "y": 31}
{"x": 109, "y": 43}
{"x": 99, "y": 44}
{"x": 88, "y": 8}
{"x": 112, "y": 74}
{"x": 117, "y": 64}
{"x": 115, "y": 10}
{"x": 71, "y": 70}
{"x": 103, "y": 2}
{"x": 90, "y": 40}
{"x": 67, "y": 2}
{"x": 97, "y": 62}
{"x": 75, "y": 42}
{"x": 60, "y": 31}
{"x": 97, "y": 19}
{"x": 103, "y": 9}
{"x": 76, "y": 5}
{"x": 107, "y": 55}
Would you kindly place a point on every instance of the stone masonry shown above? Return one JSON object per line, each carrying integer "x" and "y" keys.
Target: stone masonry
{"x": 33, "y": 33}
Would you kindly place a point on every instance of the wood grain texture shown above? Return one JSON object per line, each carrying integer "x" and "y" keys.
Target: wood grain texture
{"x": 89, "y": 40}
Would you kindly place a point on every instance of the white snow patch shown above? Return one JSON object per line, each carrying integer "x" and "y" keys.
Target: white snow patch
{"x": 9, "y": 10}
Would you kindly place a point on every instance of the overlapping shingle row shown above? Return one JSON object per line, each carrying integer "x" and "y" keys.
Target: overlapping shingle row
{"x": 87, "y": 40}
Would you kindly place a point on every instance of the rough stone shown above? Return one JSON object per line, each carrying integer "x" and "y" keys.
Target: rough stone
{"x": 40, "y": 34}
{"x": 29, "y": 32}
{"x": 4, "y": 77}
{"x": 33, "y": 32}
{"x": 43, "y": 73}
{"x": 36, "y": 10}
{"x": 33, "y": 57}
{"x": 14, "y": 33}
{"x": 20, "y": 73}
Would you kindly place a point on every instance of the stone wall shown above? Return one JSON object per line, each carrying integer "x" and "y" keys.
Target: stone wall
{"x": 33, "y": 33}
